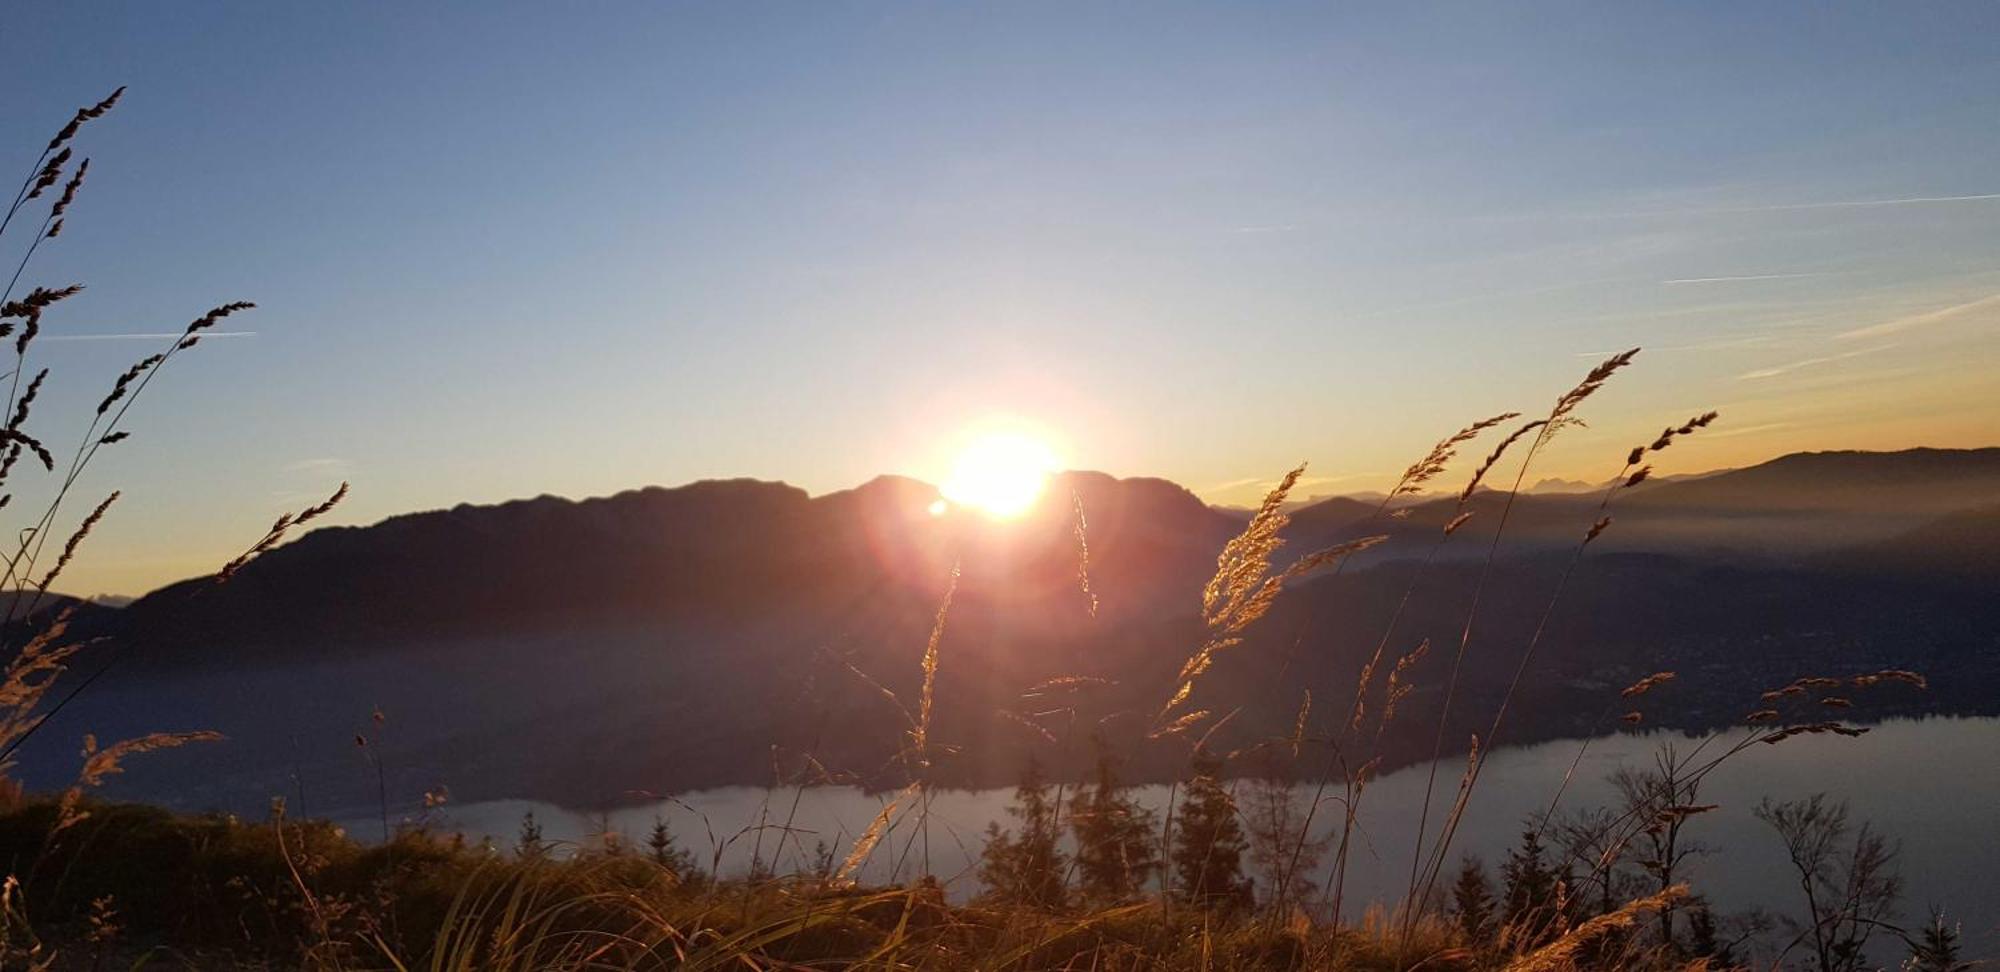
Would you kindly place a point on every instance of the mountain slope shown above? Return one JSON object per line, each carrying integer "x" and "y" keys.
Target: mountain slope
{"x": 670, "y": 638}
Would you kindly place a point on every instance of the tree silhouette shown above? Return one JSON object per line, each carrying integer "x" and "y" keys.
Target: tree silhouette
{"x": 1025, "y": 866}
{"x": 528, "y": 845}
{"x": 1209, "y": 843}
{"x": 1115, "y": 851}
{"x": 667, "y": 852}
{"x": 1472, "y": 901}
{"x": 1849, "y": 883}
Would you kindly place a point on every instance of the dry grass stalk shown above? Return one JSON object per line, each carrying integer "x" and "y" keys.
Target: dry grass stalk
{"x": 1240, "y": 569}
{"x": 1247, "y": 557}
{"x": 48, "y": 175}
{"x": 1564, "y": 952}
{"x": 29, "y": 676}
{"x": 68, "y": 196}
{"x": 1249, "y": 600}
{"x": 1399, "y": 684}
{"x": 210, "y": 319}
{"x": 920, "y": 735}
{"x": 1440, "y": 456}
{"x": 1493, "y": 459}
{"x": 124, "y": 382}
{"x": 1668, "y": 435}
{"x": 109, "y": 761}
{"x": 864, "y": 845}
{"x": 91, "y": 113}
{"x": 1646, "y": 684}
{"x": 285, "y": 523}
{"x": 1890, "y": 675}
{"x": 76, "y": 539}
{"x": 1299, "y": 724}
{"x": 38, "y": 300}
{"x": 1065, "y": 683}
{"x": 1081, "y": 529}
{"x": 1563, "y": 414}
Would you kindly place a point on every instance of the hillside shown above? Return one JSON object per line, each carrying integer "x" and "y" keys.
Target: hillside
{"x": 662, "y": 639}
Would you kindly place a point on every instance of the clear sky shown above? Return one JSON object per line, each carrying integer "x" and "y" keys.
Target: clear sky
{"x": 505, "y": 249}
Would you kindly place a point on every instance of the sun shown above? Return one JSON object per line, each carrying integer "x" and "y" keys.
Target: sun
{"x": 1001, "y": 474}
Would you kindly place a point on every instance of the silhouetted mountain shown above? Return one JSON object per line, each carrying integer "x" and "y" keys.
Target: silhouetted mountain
{"x": 1791, "y": 507}
{"x": 662, "y": 639}
{"x": 1553, "y": 485}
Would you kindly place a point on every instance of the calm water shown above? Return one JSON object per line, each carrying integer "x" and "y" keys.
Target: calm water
{"x": 1933, "y": 784}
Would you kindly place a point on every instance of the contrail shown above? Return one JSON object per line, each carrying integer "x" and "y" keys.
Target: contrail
{"x": 162, "y": 336}
{"x": 1918, "y": 320}
{"x": 1747, "y": 276}
{"x": 1850, "y": 204}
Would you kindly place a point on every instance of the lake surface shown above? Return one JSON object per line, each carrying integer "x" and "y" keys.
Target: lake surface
{"x": 1932, "y": 784}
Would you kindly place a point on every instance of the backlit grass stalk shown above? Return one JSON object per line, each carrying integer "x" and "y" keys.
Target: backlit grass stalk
{"x": 1627, "y": 477}
{"x": 1561, "y": 415}
{"x": 1411, "y": 481}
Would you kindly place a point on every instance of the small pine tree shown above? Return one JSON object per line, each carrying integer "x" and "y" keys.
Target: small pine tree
{"x": 528, "y": 846}
{"x": 1703, "y": 938}
{"x": 1529, "y": 894}
{"x": 610, "y": 841}
{"x": 1472, "y": 901}
{"x": 822, "y": 862}
{"x": 1209, "y": 842}
{"x": 1026, "y": 867}
{"x": 1936, "y": 948}
{"x": 1275, "y": 816}
{"x": 667, "y": 852}
{"x": 1115, "y": 850}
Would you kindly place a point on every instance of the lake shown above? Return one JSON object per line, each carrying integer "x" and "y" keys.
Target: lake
{"x": 1932, "y": 784}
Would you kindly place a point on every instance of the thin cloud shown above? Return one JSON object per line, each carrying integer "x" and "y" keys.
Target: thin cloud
{"x": 1323, "y": 480}
{"x": 1729, "y": 433}
{"x": 1719, "y": 344}
{"x": 1862, "y": 203}
{"x": 1269, "y": 228}
{"x": 1830, "y": 204}
{"x": 1232, "y": 484}
{"x": 161, "y": 336}
{"x": 1744, "y": 277}
{"x": 327, "y": 464}
{"x": 1785, "y": 369}
{"x": 1919, "y": 320}
{"x": 1265, "y": 483}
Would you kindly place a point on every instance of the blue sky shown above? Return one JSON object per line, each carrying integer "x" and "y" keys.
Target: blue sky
{"x": 508, "y": 249}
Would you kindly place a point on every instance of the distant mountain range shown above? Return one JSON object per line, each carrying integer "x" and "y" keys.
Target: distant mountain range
{"x": 661, "y": 639}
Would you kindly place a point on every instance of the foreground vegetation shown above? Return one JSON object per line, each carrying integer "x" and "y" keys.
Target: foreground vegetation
{"x": 133, "y": 885}
{"x": 138, "y": 882}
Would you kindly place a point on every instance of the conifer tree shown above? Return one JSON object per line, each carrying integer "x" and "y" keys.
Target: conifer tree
{"x": 1275, "y": 813}
{"x": 1472, "y": 901}
{"x": 1209, "y": 842}
{"x": 528, "y": 845}
{"x": 1529, "y": 893}
{"x": 1116, "y": 853}
{"x": 1936, "y": 948}
{"x": 666, "y": 851}
{"x": 1703, "y": 940}
{"x": 1025, "y": 865}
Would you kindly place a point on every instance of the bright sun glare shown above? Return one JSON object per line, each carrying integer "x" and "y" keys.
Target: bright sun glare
{"x": 1001, "y": 474}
